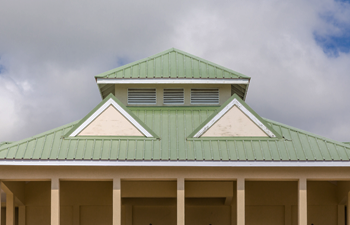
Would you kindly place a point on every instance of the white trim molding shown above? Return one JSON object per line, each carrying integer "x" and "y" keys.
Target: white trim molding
{"x": 170, "y": 81}
{"x": 103, "y": 108}
{"x": 196, "y": 163}
{"x": 234, "y": 102}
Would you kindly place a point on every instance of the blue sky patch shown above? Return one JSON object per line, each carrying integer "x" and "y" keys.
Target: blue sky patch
{"x": 333, "y": 44}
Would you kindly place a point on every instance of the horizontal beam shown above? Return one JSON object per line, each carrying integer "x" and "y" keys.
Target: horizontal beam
{"x": 187, "y": 163}
{"x": 171, "y": 81}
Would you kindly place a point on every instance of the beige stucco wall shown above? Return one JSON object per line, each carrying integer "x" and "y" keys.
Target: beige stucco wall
{"x": 234, "y": 124}
{"x": 110, "y": 123}
{"x": 85, "y": 202}
{"x": 121, "y": 91}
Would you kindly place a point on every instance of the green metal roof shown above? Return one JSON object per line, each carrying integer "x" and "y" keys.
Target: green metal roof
{"x": 173, "y": 125}
{"x": 172, "y": 63}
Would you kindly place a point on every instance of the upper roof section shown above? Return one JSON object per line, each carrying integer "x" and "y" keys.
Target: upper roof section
{"x": 172, "y": 63}
{"x": 170, "y": 67}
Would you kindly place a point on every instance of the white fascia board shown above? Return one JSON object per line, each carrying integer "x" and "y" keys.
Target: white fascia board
{"x": 234, "y": 102}
{"x": 171, "y": 81}
{"x": 103, "y": 108}
{"x": 176, "y": 163}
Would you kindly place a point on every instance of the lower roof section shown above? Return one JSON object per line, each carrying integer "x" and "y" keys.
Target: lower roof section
{"x": 173, "y": 125}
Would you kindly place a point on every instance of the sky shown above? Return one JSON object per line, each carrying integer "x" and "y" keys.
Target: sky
{"x": 296, "y": 52}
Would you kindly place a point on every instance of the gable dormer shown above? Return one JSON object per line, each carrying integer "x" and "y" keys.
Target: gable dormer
{"x": 172, "y": 78}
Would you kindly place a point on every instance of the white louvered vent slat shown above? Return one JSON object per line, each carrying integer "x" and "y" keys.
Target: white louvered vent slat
{"x": 204, "y": 96}
{"x": 142, "y": 96}
{"x": 173, "y": 96}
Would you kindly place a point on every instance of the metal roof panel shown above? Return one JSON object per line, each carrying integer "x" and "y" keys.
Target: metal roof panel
{"x": 173, "y": 125}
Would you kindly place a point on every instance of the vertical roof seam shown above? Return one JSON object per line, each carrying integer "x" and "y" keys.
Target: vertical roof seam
{"x": 302, "y": 146}
{"x": 312, "y": 150}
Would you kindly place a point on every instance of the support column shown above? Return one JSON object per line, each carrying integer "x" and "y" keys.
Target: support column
{"x": 10, "y": 208}
{"x": 180, "y": 201}
{"x": 55, "y": 201}
{"x": 117, "y": 200}
{"x": 302, "y": 201}
{"x": 21, "y": 215}
{"x": 240, "y": 201}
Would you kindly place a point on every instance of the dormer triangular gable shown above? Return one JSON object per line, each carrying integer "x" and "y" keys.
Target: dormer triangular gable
{"x": 234, "y": 119}
{"x": 111, "y": 118}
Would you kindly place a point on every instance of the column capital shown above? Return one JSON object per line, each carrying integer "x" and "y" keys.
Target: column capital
{"x": 55, "y": 183}
{"x": 180, "y": 183}
{"x": 116, "y": 183}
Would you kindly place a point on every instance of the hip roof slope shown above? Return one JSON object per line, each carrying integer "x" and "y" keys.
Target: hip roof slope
{"x": 172, "y": 64}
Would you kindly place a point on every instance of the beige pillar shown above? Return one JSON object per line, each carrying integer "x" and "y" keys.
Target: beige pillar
{"x": 302, "y": 207}
{"x": 180, "y": 201}
{"x": 21, "y": 215}
{"x": 55, "y": 201}
{"x": 240, "y": 201}
{"x": 10, "y": 208}
{"x": 117, "y": 200}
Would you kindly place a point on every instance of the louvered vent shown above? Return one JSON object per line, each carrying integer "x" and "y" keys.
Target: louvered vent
{"x": 173, "y": 96}
{"x": 142, "y": 96}
{"x": 204, "y": 96}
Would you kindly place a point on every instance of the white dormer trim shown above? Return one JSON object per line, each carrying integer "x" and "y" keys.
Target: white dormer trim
{"x": 170, "y": 81}
{"x": 234, "y": 102}
{"x": 103, "y": 108}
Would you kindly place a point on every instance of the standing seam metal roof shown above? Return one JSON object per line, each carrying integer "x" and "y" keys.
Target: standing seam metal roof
{"x": 172, "y": 63}
{"x": 173, "y": 125}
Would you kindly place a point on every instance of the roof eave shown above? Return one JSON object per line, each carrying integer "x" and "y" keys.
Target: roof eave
{"x": 171, "y": 81}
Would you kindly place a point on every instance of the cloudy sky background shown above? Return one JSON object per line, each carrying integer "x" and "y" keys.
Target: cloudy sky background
{"x": 297, "y": 53}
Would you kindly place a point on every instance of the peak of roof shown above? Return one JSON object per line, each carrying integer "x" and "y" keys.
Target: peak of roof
{"x": 172, "y": 63}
